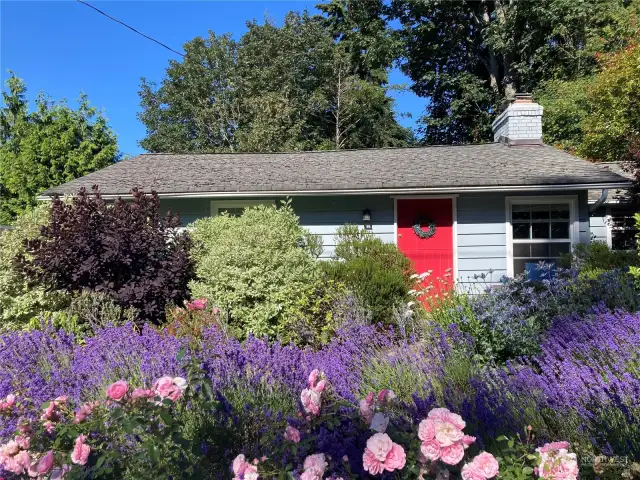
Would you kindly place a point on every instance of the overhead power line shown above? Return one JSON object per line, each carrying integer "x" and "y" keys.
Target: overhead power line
{"x": 131, "y": 28}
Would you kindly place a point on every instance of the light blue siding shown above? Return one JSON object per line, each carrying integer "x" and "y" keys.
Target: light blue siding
{"x": 598, "y": 225}
{"x": 481, "y": 225}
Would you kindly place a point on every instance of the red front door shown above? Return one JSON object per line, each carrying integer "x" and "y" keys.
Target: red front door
{"x": 434, "y": 253}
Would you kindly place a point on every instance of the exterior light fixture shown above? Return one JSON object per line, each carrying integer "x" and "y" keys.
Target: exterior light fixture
{"x": 366, "y": 218}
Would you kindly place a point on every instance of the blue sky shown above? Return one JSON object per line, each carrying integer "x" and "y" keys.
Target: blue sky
{"x": 64, "y": 48}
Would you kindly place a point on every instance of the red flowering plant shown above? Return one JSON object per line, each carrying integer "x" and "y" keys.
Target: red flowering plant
{"x": 131, "y": 433}
{"x": 191, "y": 320}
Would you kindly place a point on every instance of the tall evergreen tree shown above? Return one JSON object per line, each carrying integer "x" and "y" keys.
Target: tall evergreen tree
{"x": 47, "y": 147}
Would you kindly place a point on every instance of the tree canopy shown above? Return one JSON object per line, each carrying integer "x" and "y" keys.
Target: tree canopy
{"x": 46, "y": 147}
{"x": 470, "y": 57}
{"x": 289, "y": 87}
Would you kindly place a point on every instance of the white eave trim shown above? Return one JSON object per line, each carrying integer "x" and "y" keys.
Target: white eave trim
{"x": 379, "y": 191}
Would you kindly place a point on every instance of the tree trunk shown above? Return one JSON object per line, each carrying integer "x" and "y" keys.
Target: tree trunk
{"x": 493, "y": 62}
{"x": 338, "y": 139}
{"x": 508, "y": 81}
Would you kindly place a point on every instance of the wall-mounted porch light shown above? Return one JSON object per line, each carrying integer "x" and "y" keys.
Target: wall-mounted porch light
{"x": 366, "y": 218}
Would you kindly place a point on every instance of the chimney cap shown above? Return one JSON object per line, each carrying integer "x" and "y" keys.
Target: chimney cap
{"x": 523, "y": 98}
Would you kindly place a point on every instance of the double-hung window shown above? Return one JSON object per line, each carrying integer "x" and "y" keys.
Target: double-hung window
{"x": 539, "y": 229}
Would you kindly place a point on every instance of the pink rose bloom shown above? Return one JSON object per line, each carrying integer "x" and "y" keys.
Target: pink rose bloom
{"x": 250, "y": 473}
{"x": 431, "y": 450}
{"x": 396, "y": 458}
{"x": 486, "y": 464}
{"x": 84, "y": 411}
{"x": 380, "y": 445}
{"x": 313, "y": 377}
{"x": 371, "y": 464}
{"x": 467, "y": 440}
{"x": 23, "y": 441}
{"x": 11, "y": 465}
{"x": 385, "y": 396}
{"x": 23, "y": 458}
{"x": 470, "y": 472}
{"x": 320, "y": 386}
{"x": 10, "y": 448}
{"x": 379, "y": 423}
{"x": 238, "y": 464}
{"x": 45, "y": 464}
{"x": 550, "y": 447}
{"x": 311, "y": 401}
{"x": 452, "y": 454}
{"x": 49, "y": 426}
{"x": 439, "y": 413}
{"x": 49, "y": 413}
{"x": 168, "y": 387}
{"x": 292, "y": 434}
{"x": 142, "y": 393}
{"x": 315, "y": 462}
{"x": 366, "y": 410}
{"x": 197, "y": 304}
{"x": 117, "y": 390}
{"x": 10, "y": 401}
{"x": 81, "y": 451}
{"x": 447, "y": 433}
{"x": 427, "y": 430}
{"x": 181, "y": 383}
{"x": 61, "y": 399}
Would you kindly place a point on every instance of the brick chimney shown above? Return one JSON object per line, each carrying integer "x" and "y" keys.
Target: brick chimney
{"x": 520, "y": 123}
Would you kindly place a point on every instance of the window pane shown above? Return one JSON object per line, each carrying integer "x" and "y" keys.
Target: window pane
{"x": 560, "y": 211}
{"x": 559, "y": 230}
{"x": 521, "y": 230}
{"x": 623, "y": 239}
{"x": 520, "y": 212}
{"x": 557, "y": 249}
{"x": 540, "y": 230}
{"x": 540, "y": 212}
{"x": 521, "y": 249}
{"x": 231, "y": 211}
{"x": 540, "y": 250}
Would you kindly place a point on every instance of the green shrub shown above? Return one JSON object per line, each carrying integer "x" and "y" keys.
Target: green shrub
{"x": 21, "y": 298}
{"x": 598, "y": 257}
{"x": 377, "y": 272}
{"x": 256, "y": 267}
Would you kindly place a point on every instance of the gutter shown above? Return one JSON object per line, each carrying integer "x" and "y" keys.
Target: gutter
{"x": 600, "y": 201}
{"x": 375, "y": 191}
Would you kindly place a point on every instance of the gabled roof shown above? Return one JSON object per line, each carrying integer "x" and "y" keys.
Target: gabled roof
{"x": 486, "y": 167}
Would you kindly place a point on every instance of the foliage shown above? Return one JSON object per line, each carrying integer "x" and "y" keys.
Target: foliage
{"x": 20, "y": 298}
{"x": 613, "y": 123}
{"x": 598, "y": 257}
{"x": 377, "y": 272}
{"x": 256, "y": 268}
{"x": 508, "y": 321}
{"x": 468, "y": 73}
{"x": 276, "y": 89}
{"x": 47, "y": 147}
{"x": 125, "y": 250}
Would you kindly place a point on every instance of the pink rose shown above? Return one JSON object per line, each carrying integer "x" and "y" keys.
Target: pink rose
{"x": 320, "y": 386}
{"x": 49, "y": 426}
{"x": 486, "y": 464}
{"x": 314, "y": 467}
{"x": 292, "y": 434}
{"x": 23, "y": 441}
{"x": 142, "y": 393}
{"x": 550, "y": 447}
{"x": 469, "y": 472}
{"x": 250, "y": 473}
{"x": 311, "y": 401}
{"x": 366, "y": 410}
{"x": 452, "y": 454}
{"x": 431, "y": 450}
{"x": 12, "y": 465}
{"x": 10, "y": 400}
{"x": 467, "y": 440}
{"x": 238, "y": 464}
{"x": 447, "y": 433}
{"x": 84, "y": 411}
{"x": 117, "y": 390}
{"x": 385, "y": 396}
{"x": 380, "y": 445}
{"x": 371, "y": 464}
{"x": 10, "y": 448}
{"x": 395, "y": 459}
{"x": 49, "y": 413}
{"x": 45, "y": 464}
{"x": 168, "y": 387}
{"x": 313, "y": 377}
{"x": 23, "y": 458}
{"x": 439, "y": 413}
{"x": 197, "y": 304}
{"x": 81, "y": 451}
{"x": 427, "y": 430}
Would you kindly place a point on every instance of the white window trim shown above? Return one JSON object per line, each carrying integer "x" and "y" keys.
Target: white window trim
{"x": 217, "y": 204}
{"x": 574, "y": 229}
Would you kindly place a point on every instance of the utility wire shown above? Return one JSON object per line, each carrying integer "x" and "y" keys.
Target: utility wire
{"x": 131, "y": 28}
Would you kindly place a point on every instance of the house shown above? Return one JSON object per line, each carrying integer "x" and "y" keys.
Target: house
{"x": 483, "y": 210}
{"x": 611, "y": 214}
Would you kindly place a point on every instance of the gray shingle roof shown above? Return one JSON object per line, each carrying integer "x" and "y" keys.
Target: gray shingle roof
{"x": 615, "y": 195}
{"x": 438, "y": 167}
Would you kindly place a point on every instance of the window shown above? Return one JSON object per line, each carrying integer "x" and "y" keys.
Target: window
{"x": 539, "y": 230}
{"x": 235, "y": 207}
{"x": 622, "y": 227}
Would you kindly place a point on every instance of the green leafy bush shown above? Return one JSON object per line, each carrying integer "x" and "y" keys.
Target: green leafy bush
{"x": 256, "y": 267}
{"x": 598, "y": 257}
{"x": 377, "y": 272}
{"x": 20, "y": 297}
